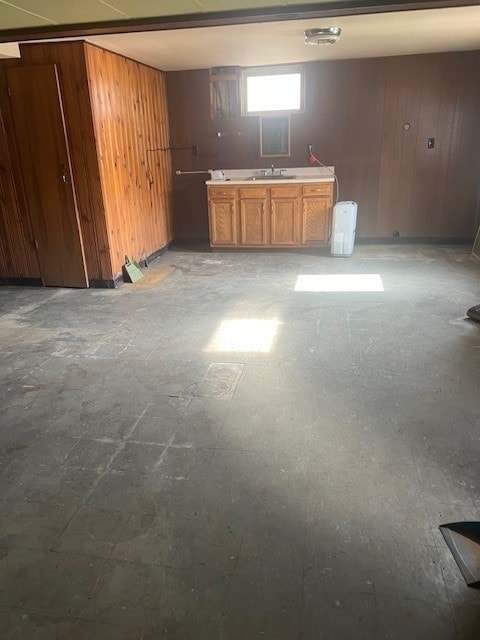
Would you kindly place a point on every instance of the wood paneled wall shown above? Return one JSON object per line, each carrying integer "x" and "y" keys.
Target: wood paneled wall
{"x": 354, "y": 117}
{"x": 131, "y": 123}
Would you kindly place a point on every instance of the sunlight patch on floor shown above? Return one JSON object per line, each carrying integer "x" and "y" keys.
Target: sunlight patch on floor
{"x": 246, "y": 335}
{"x": 340, "y": 282}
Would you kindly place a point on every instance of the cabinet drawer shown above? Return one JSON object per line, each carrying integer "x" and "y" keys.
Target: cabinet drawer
{"x": 253, "y": 192}
{"x": 221, "y": 192}
{"x": 284, "y": 192}
{"x": 318, "y": 189}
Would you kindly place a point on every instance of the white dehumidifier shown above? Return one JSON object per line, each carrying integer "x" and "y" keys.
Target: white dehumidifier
{"x": 344, "y": 224}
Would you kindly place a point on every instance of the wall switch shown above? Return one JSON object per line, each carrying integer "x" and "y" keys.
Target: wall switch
{"x": 431, "y": 143}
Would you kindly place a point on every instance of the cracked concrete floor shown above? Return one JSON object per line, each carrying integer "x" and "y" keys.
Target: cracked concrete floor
{"x": 239, "y": 453}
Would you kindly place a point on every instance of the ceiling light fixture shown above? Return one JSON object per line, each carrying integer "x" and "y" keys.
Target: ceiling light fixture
{"x": 327, "y": 35}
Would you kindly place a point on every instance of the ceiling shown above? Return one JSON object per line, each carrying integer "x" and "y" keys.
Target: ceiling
{"x": 258, "y": 43}
{"x": 18, "y": 14}
{"x": 363, "y": 36}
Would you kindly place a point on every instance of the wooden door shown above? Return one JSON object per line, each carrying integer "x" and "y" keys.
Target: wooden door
{"x": 40, "y": 133}
{"x": 315, "y": 220}
{"x": 253, "y": 221}
{"x": 284, "y": 222}
{"x": 223, "y": 222}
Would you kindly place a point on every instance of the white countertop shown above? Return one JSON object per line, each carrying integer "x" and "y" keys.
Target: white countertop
{"x": 302, "y": 174}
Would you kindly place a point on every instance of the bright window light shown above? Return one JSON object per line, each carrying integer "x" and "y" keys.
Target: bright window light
{"x": 272, "y": 89}
{"x": 244, "y": 336}
{"x": 273, "y": 93}
{"x": 340, "y": 282}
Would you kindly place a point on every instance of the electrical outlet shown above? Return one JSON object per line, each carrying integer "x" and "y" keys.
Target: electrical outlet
{"x": 195, "y": 150}
{"x": 310, "y": 149}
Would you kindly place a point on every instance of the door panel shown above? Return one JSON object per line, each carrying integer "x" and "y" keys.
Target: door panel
{"x": 40, "y": 134}
{"x": 253, "y": 220}
{"x": 315, "y": 220}
{"x": 284, "y": 222}
{"x": 223, "y": 221}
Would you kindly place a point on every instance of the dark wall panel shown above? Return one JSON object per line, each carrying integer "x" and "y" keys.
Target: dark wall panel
{"x": 354, "y": 116}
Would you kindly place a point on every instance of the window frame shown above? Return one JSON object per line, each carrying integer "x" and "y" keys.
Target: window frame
{"x": 279, "y": 70}
{"x": 285, "y": 121}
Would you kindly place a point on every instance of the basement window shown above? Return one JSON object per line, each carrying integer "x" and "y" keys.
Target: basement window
{"x": 267, "y": 90}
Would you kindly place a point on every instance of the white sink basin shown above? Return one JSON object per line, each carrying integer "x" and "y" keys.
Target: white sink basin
{"x": 274, "y": 177}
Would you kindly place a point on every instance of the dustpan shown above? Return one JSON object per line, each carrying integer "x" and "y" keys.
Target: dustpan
{"x": 463, "y": 540}
{"x": 131, "y": 271}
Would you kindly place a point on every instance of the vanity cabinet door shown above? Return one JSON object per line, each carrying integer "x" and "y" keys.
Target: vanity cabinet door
{"x": 316, "y": 220}
{"x": 284, "y": 221}
{"x": 253, "y": 221}
{"x": 223, "y": 222}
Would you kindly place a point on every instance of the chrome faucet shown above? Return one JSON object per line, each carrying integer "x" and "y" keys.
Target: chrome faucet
{"x": 272, "y": 171}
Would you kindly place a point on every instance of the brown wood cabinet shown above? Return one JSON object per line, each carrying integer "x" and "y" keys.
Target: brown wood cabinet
{"x": 315, "y": 220}
{"x": 270, "y": 216}
{"x": 284, "y": 222}
{"x": 253, "y": 221}
{"x": 223, "y": 222}
{"x": 253, "y": 216}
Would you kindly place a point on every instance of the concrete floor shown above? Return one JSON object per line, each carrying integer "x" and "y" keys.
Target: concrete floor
{"x": 220, "y": 456}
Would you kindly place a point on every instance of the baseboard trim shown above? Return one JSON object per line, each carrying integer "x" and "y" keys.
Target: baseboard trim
{"x": 156, "y": 254}
{"x": 390, "y": 240}
{"x": 180, "y": 241}
{"x": 104, "y": 284}
{"x": 21, "y": 282}
{"x": 177, "y": 242}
